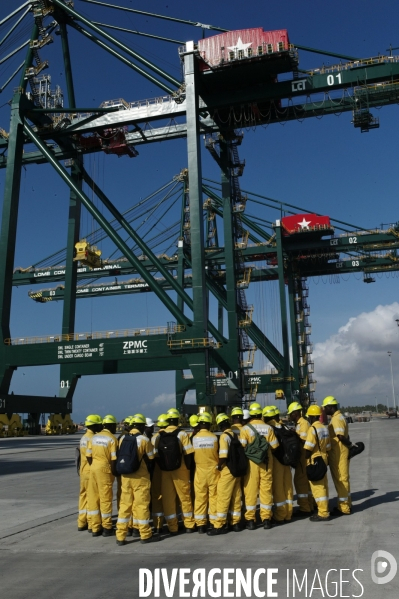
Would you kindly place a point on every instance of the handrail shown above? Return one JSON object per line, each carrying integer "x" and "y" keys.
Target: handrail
{"x": 95, "y": 335}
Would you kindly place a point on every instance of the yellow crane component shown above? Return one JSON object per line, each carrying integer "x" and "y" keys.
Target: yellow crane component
{"x": 11, "y": 427}
{"x": 57, "y": 424}
{"x": 87, "y": 254}
{"x": 279, "y": 394}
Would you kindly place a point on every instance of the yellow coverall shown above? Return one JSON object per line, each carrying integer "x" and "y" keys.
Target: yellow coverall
{"x": 301, "y": 482}
{"x": 206, "y": 477}
{"x": 176, "y": 483}
{"x": 136, "y": 490}
{"x": 102, "y": 449}
{"x": 319, "y": 488}
{"x": 339, "y": 462}
{"x": 83, "y": 518}
{"x": 228, "y": 488}
{"x": 236, "y": 428}
{"x": 283, "y": 492}
{"x": 259, "y": 478}
{"x": 156, "y": 493}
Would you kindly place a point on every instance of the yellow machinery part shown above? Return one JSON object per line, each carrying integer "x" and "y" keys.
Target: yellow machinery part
{"x": 59, "y": 425}
{"x": 87, "y": 254}
{"x": 11, "y": 427}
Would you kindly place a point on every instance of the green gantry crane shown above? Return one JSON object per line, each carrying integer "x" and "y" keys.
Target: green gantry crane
{"x": 208, "y": 102}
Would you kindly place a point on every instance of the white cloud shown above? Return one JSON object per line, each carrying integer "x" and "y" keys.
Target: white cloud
{"x": 161, "y": 401}
{"x": 353, "y": 364}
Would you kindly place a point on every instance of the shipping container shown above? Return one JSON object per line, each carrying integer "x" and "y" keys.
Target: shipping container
{"x": 305, "y": 222}
{"x": 244, "y": 44}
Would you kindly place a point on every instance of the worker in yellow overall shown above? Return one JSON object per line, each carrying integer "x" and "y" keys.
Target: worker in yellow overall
{"x": 206, "y": 449}
{"x": 101, "y": 455}
{"x": 93, "y": 424}
{"x": 318, "y": 445}
{"x": 339, "y": 455}
{"x": 301, "y": 483}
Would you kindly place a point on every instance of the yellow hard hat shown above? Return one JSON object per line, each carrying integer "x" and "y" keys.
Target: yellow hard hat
{"x": 162, "y": 421}
{"x": 173, "y": 413}
{"x": 138, "y": 419}
{"x": 109, "y": 419}
{"x": 277, "y": 411}
{"x": 314, "y": 411}
{"x": 193, "y": 420}
{"x": 237, "y": 412}
{"x": 138, "y": 414}
{"x": 329, "y": 401}
{"x": 221, "y": 418}
{"x": 255, "y": 408}
{"x": 205, "y": 417}
{"x": 293, "y": 407}
{"x": 93, "y": 419}
{"x": 269, "y": 412}
{"x": 127, "y": 420}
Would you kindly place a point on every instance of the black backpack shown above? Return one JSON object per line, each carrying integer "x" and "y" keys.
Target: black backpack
{"x": 288, "y": 452}
{"x": 169, "y": 452}
{"x": 128, "y": 460}
{"x": 237, "y": 461}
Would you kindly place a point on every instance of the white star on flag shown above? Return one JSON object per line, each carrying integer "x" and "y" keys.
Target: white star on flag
{"x": 304, "y": 223}
{"x": 239, "y": 45}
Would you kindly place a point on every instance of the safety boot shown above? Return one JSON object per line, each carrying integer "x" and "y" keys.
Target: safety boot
{"x": 108, "y": 532}
{"x": 190, "y": 530}
{"x": 276, "y": 522}
{"x": 236, "y": 528}
{"x": 150, "y": 539}
{"x": 201, "y": 529}
{"x": 81, "y": 528}
{"x": 251, "y": 525}
{"x": 129, "y": 531}
{"x": 212, "y": 532}
{"x": 267, "y": 524}
{"x": 301, "y": 514}
{"x": 337, "y": 512}
{"x": 120, "y": 543}
{"x": 97, "y": 533}
{"x": 135, "y": 532}
{"x": 317, "y": 518}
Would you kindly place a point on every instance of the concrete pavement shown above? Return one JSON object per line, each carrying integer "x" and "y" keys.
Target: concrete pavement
{"x": 43, "y": 555}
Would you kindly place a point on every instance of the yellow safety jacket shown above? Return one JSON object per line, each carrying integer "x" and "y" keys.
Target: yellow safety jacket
{"x": 102, "y": 448}
{"x": 84, "y": 464}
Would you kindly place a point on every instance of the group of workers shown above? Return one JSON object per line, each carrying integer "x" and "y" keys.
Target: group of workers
{"x": 175, "y": 471}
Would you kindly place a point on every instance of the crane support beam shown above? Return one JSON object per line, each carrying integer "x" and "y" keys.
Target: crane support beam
{"x": 78, "y": 17}
{"x": 102, "y": 221}
{"x": 367, "y": 242}
{"x": 151, "y": 14}
{"x": 15, "y": 12}
{"x": 9, "y": 32}
{"x": 122, "y": 58}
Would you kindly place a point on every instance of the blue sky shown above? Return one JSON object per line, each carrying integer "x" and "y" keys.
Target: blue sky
{"x": 325, "y": 165}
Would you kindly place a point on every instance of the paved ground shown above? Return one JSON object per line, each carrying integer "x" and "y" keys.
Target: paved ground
{"x": 43, "y": 555}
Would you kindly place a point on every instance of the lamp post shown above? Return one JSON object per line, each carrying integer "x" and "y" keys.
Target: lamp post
{"x": 393, "y": 387}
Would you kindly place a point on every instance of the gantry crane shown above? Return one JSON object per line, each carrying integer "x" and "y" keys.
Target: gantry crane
{"x": 230, "y": 80}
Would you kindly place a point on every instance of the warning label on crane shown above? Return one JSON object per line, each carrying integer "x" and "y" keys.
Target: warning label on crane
{"x": 80, "y": 351}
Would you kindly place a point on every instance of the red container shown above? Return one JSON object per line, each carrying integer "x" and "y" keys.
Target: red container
{"x": 305, "y": 222}
{"x": 228, "y": 47}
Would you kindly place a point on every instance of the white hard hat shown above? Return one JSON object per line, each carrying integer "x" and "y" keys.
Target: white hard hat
{"x": 246, "y": 414}
{"x": 149, "y": 422}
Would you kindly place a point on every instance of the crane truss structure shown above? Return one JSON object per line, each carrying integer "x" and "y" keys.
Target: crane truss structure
{"x": 210, "y": 102}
